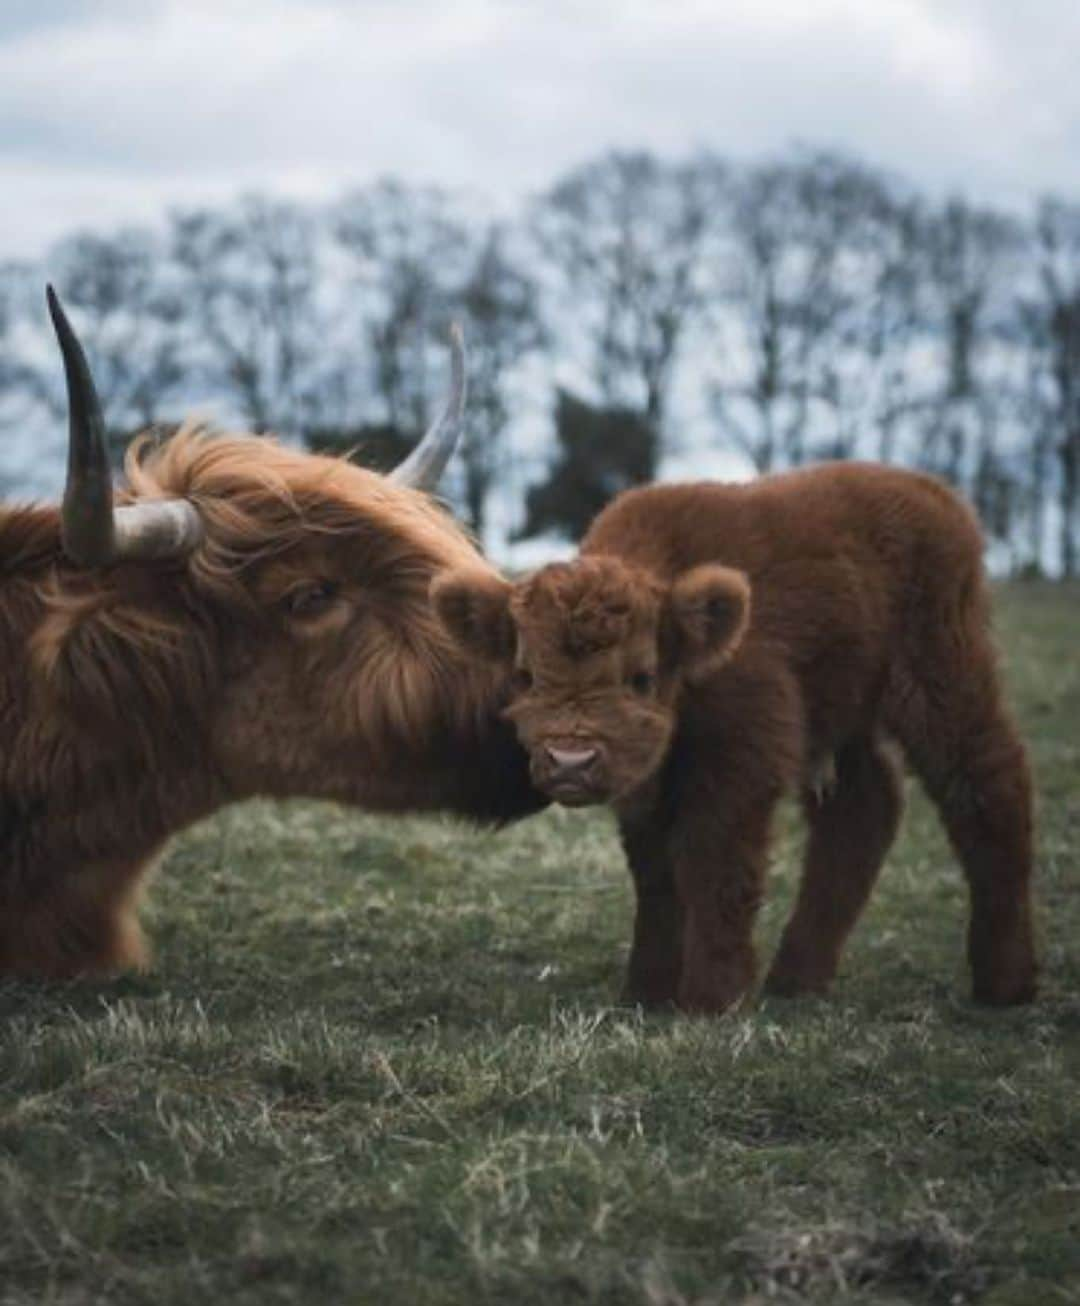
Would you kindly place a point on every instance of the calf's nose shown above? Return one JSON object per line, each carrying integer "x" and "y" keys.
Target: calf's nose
{"x": 568, "y": 761}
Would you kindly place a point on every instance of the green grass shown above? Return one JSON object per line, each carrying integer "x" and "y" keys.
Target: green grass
{"x": 383, "y": 1061}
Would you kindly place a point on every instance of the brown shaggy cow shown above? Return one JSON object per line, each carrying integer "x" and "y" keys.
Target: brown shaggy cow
{"x": 717, "y": 645}
{"x": 253, "y": 620}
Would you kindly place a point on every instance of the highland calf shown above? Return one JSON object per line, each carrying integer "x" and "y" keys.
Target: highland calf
{"x": 717, "y": 645}
{"x": 250, "y": 620}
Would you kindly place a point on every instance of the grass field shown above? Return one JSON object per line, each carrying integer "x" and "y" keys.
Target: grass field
{"x": 383, "y": 1061}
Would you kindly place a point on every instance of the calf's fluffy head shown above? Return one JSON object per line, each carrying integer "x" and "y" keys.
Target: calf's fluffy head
{"x": 600, "y": 652}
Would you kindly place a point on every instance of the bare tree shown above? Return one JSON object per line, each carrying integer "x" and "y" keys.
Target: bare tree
{"x": 970, "y": 269}
{"x": 502, "y": 305}
{"x": 20, "y": 293}
{"x": 1051, "y": 317}
{"x": 248, "y": 277}
{"x": 409, "y": 250}
{"x": 804, "y": 253}
{"x": 871, "y": 375}
{"x": 1033, "y": 413}
{"x": 417, "y": 261}
{"x": 130, "y": 318}
{"x": 19, "y": 379}
{"x": 626, "y": 235}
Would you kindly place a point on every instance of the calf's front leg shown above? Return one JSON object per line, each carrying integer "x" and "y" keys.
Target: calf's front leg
{"x": 656, "y": 953}
{"x": 719, "y": 857}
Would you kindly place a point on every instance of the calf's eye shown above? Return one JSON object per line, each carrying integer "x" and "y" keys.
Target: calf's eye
{"x": 643, "y": 682}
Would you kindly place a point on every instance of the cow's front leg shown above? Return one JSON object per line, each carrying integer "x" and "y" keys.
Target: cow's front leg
{"x": 719, "y": 856}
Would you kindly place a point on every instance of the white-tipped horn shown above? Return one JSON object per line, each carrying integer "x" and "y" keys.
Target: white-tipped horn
{"x": 427, "y": 462}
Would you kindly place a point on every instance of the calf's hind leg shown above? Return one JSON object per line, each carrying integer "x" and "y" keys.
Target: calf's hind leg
{"x": 851, "y": 827}
{"x": 965, "y": 749}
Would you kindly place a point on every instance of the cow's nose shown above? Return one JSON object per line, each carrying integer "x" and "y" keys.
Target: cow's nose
{"x": 571, "y": 761}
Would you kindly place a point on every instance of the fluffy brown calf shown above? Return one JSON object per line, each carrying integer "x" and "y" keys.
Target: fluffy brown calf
{"x": 717, "y": 645}
{"x": 252, "y": 620}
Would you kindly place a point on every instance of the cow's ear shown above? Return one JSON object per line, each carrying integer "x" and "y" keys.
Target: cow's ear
{"x": 708, "y": 612}
{"x": 474, "y": 606}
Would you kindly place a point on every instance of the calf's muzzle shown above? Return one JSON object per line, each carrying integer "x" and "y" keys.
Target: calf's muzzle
{"x": 571, "y": 774}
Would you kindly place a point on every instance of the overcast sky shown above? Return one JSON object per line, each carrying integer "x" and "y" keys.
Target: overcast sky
{"x": 112, "y": 110}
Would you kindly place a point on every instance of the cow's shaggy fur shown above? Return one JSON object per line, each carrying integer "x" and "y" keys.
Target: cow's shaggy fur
{"x": 293, "y": 653}
{"x": 715, "y": 646}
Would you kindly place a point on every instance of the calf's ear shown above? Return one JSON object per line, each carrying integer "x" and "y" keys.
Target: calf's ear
{"x": 708, "y": 612}
{"x": 474, "y": 607}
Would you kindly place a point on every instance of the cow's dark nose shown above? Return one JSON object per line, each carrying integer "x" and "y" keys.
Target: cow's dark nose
{"x": 570, "y": 763}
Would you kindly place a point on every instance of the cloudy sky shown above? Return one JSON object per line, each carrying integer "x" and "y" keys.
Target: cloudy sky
{"x": 110, "y": 110}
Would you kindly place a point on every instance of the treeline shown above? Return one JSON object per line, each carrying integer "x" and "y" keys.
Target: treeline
{"x": 810, "y": 306}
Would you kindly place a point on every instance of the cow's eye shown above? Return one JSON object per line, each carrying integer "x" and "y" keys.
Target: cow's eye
{"x": 311, "y": 600}
{"x": 643, "y": 682}
{"x": 522, "y": 680}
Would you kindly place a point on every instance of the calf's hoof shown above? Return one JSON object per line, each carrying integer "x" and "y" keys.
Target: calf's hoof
{"x": 798, "y": 970}
{"x": 648, "y": 1001}
{"x": 710, "y": 999}
{"x": 792, "y": 984}
{"x": 1009, "y": 992}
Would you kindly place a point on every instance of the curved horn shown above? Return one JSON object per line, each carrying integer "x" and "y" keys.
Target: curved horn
{"x": 93, "y": 532}
{"x": 427, "y": 462}
{"x": 86, "y": 521}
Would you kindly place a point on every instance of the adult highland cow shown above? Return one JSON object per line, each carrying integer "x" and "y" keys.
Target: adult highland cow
{"x": 717, "y": 645}
{"x": 250, "y": 620}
